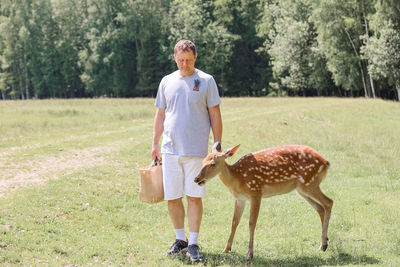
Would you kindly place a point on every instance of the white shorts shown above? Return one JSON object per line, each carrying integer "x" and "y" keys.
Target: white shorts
{"x": 178, "y": 176}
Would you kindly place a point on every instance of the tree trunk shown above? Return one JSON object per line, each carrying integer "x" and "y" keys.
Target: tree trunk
{"x": 3, "y": 94}
{"x": 371, "y": 82}
{"x": 26, "y": 77}
{"x": 398, "y": 90}
{"x": 21, "y": 90}
{"x": 359, "y": 60}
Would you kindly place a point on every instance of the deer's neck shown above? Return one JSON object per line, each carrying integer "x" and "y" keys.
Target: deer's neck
{"x": 227, "y": 177}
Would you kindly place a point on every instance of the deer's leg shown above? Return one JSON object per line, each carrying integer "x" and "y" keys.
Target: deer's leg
{"x": 237, "y": 214}
{"x": 254, "y": 211}
{"x": 316, "y": 195}
{"x": 315, "y": 205}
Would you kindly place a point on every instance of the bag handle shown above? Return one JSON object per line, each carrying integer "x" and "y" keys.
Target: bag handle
{"x": 155, "y": 162}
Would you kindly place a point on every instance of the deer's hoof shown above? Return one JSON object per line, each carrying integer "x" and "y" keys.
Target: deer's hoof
{"x": 249, "y": 256}
{"x": 226, "y": 250}
{"x": 323, "y": 247}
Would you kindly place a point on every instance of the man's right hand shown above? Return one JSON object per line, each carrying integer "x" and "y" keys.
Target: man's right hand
{"x": 155, "y": 152}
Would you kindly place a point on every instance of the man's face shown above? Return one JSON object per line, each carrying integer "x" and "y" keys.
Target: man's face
{"x": 185, "y": 61}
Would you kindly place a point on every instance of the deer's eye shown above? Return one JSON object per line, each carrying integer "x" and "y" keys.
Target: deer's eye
{"x": 212, "y": 163}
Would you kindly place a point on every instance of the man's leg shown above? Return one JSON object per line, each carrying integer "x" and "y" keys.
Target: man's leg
{"x": 173, "y": 193}
{"x": 194, "y": 194}
{"x": 177, "y": 213}
{"x": 195, "y": 213}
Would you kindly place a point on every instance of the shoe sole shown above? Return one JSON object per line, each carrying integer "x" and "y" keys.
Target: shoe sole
{"x": 194, "y": 260}
{"x": 184, "y": 250}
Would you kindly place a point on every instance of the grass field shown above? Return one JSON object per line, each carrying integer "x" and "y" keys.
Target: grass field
{"x": 69, "y": 184}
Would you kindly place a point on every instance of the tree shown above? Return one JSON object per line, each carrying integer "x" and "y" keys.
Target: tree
{"x": 383, "y": 47}
{"x": 192, "y": 20}
{"x": 290, "y": 40}
{"x": 248, "y": 72}
{"x": 340, "y": 26}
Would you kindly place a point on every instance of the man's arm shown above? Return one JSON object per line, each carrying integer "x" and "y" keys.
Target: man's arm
{"x": 216, "y": 122}
{"x": 157, "y": 132}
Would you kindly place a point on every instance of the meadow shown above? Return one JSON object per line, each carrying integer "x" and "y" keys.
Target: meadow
{"x": 69, "y": 184}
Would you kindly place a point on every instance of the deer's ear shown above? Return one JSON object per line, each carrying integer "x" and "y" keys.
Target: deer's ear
{"x": 217, "y": 147}
{"x": 230, "y": 151}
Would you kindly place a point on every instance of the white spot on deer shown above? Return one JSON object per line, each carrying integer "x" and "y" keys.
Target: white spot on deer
{"x": 290, "y": 168}
{"x": 293, "y": 176}
{"x": 276, "y": 173}
{"x": 316, "y": 161}
{"x": 309, "y": 156}
{"x": 299, "y": 156}
{"x": 301, "y": 179}
{"x": 320, "y": 168}
{"x": 254, "y": 181}
{"x": 248, "y": 185}
{"x": 244, "y": 174}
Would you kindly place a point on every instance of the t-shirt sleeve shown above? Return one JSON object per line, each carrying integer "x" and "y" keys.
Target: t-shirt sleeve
{"x": 160, "y": 98}
{"x": 213, "y": 98}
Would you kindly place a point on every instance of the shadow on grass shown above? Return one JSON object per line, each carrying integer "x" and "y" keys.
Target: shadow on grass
{"x": 234, "y": 259}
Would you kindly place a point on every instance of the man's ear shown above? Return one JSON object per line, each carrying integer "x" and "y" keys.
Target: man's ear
{"x": 230, "y": 151}
{"x": 216, "y": 147}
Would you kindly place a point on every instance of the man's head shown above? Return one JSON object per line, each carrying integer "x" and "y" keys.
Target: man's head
{"x": 185, "y": 56}
{"x": 185, "y": 45}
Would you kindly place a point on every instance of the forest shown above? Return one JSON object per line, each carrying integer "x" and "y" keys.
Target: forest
{"x": 122, "y": 48}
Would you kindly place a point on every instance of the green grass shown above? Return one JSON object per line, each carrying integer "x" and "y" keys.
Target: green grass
{"x": 69, "y": 184}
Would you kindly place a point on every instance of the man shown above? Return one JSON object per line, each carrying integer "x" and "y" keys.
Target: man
{"x": 187, "y": 106}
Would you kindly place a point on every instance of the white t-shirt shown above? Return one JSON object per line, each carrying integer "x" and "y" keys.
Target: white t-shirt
{"x": 187, "y": 123}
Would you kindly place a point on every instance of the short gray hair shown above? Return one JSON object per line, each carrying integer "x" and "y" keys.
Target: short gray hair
{"x": 185, "y": 45}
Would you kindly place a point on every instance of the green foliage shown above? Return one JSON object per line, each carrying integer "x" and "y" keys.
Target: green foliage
{"x": 382, "y": 48}
{"x": 117, "y": 48}
{"x": 298, "y": 64}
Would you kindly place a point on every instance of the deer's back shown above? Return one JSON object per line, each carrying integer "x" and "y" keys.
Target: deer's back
{"x": 280, "y": 166}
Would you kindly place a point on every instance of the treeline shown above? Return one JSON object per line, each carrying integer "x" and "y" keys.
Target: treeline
{"x": 122, "y": 48}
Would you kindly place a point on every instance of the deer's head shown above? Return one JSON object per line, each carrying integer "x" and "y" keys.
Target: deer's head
{"x": 213, "y": 163}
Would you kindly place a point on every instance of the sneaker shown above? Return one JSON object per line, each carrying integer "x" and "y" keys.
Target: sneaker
{"x": 177, "y": 247}
{"x": 194, "y": 254}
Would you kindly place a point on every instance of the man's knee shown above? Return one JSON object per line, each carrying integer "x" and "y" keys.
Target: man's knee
{"x": 194, "y": 200}
{"x": 175, "y": 202}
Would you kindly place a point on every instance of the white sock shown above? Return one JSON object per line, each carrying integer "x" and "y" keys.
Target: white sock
{"x": 193, "y": 238}
{"x": 180, "y": 234}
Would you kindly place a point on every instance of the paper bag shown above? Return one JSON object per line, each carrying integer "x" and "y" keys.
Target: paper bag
{"x": 151, "y": 184}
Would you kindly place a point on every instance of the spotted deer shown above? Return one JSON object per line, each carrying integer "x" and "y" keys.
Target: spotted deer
{"x": 266, "y": 173}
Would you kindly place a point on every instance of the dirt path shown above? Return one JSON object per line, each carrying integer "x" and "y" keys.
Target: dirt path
{"x": 44, "y": 168}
